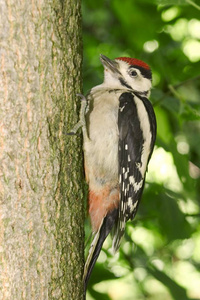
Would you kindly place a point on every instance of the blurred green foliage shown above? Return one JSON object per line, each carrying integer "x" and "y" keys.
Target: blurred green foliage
{"x": 160, "y": 255}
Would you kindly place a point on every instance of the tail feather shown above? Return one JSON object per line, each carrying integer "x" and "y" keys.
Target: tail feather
{"x": 118, "y": 234}
{"x": 99, "y": 238}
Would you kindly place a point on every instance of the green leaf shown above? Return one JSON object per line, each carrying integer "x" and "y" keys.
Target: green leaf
{"x": 100, "y": 273}
{"x": 177, "y": 291}
{"x": 98, "y": 296}
{"x": 164, "y": 131}
{"x": 182, "y": 166}
{"x": 172, "y": 220}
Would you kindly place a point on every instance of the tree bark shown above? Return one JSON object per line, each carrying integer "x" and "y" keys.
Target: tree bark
{"x": 41, "y": 176}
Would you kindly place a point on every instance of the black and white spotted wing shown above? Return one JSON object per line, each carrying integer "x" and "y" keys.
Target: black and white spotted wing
{"x": 137, "y": 133}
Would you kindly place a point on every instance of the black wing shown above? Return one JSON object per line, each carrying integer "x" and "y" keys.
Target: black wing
{"x": 137, "y": 133}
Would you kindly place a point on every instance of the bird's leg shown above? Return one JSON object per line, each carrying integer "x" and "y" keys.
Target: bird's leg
{"x": 81, "y": 122}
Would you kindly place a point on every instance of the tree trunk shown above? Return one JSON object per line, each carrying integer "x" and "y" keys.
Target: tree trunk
{"x": 41, "y": 206}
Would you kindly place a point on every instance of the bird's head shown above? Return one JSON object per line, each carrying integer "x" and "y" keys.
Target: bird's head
{"x": 127, "y": 73}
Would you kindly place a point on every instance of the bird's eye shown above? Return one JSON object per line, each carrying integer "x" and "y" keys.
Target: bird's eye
{"x": 133, "y": 73}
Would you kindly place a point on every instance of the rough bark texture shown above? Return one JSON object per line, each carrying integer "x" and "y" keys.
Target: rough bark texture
{"x": 41, "y": 207}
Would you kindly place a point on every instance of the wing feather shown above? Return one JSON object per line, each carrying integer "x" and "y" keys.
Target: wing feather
{"x": 137, "y": 132}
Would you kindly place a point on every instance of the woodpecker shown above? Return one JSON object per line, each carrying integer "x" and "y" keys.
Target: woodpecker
{"x": 119, "y": 132}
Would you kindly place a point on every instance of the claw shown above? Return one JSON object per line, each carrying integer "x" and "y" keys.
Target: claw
{"x": 83, "y": 98}
{"x": 81, "y": 122}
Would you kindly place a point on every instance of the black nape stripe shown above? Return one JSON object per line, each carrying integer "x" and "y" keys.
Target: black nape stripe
{"x": 138, "y": 94}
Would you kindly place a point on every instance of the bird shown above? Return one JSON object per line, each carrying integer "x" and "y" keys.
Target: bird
{"x": 119, "y": 132}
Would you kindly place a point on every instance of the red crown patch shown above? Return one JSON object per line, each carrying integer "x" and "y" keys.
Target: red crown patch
{"x": 134, "y": 61}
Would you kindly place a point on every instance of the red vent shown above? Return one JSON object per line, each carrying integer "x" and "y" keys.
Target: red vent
{"x": 134, "y": 62}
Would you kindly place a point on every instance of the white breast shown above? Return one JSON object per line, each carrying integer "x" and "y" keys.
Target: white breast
{"x": 102, "y": 149}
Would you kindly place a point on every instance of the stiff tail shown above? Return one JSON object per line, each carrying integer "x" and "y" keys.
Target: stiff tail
{"x": 97, "y": 243}
{"x": 118, "y": 234}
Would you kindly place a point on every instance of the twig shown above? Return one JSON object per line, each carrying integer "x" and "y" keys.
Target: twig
{"x": 192, "y": 215}
{"x": 193, "y": 4}
{"x": 172, "y": 89}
